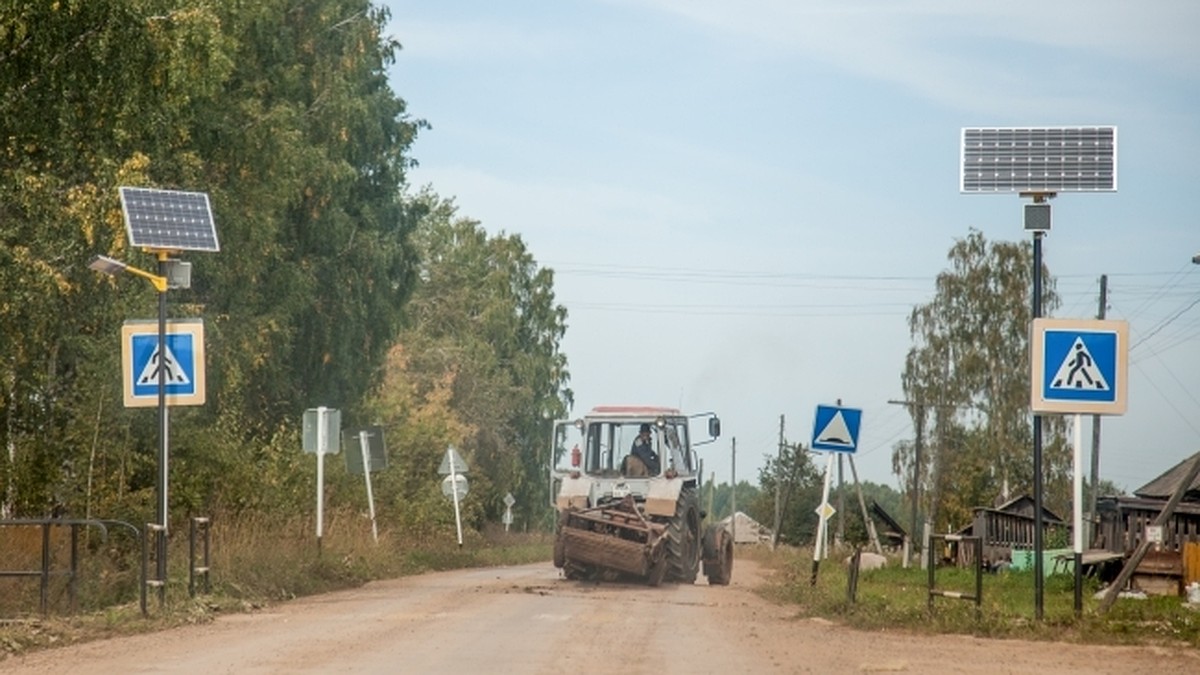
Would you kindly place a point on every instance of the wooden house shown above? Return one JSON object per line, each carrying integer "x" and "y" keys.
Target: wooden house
{"x": 1123, "y": 522}
{"x": 1004, "y": 528}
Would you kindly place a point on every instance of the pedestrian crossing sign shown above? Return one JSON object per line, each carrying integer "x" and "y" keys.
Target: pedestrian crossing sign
{"x": 1079, "y": 366}
{"x": 181, "y": 365}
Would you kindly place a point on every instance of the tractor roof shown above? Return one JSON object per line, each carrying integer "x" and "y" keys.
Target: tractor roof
{"x": 633, "y": 411}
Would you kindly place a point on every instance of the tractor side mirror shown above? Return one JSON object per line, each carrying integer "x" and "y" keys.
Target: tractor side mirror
{"x": 714, "y": 426}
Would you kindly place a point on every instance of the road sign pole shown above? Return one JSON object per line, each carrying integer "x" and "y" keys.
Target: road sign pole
{"x": 362, "y": 445}
{"x": 1078, "y": 514}
{"x": 1038, "y": 580}
{"x": 321, "y": 443}
{"x": 163, "y": 430}
{"x": 454, "y": 484}
{"x": 822, "y": 519}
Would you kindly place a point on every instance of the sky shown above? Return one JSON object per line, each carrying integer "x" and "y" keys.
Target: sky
{"x": 743, "y": 202}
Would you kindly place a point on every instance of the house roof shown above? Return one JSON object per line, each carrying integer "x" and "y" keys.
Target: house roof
{"x": 877, "y": 511}
{"x": 748, "y": 529}
{"x": 1165, "y": 485}
{"x": 1025, "y": 503}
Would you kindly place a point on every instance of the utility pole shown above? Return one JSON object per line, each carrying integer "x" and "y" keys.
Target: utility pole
{"x": 919, "y": 424}
{"x": 1096, "y": 432}
{"x": 733, "y": 495}
{"x": 778, "y": 485}
{"x": 841, "y": 507}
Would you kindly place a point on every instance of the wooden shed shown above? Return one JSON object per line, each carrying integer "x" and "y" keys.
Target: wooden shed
{"x": 1006, "y": 527}
{"x": 1123, "y": 522}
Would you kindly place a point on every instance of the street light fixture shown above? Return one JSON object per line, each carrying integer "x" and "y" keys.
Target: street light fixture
{"x": 162, "y": 222}
{"x": 113, "y": 267}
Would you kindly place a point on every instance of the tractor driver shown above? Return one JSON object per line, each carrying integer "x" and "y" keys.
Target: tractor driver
{"x": 642, "y": 453}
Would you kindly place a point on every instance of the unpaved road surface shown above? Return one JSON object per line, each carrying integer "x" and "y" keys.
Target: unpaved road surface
{"x": 528, "y": 620}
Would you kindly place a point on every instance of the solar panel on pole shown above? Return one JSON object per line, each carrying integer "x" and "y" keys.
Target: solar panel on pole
{"x": 168, "y": 220}
{"x": 1039, "y": 160}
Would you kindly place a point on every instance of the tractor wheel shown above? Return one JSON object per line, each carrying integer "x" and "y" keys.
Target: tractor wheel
{"x": 683, "y": 539}
{"x": 560, "y": 543}
{"x": 718, "y": 556}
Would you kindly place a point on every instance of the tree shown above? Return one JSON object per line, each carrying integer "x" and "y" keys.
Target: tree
{"x": 282, "y": 113}
{"x": 968, "y": 371}
{"x": 482, "y": 335}
{"x": 801, "y": 483}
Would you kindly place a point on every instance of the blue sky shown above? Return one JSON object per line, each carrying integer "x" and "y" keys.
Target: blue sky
{"x": 742, "y": 202}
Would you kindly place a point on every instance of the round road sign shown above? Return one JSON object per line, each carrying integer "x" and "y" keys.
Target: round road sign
{"x": 451, "y": 483}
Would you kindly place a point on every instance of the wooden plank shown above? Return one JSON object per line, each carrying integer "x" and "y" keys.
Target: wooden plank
{"x": 1191, "y": 562}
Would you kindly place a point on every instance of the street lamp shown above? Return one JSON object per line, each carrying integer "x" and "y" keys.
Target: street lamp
{"x": 113, "y": 267}
{"x": 162, "y": 222}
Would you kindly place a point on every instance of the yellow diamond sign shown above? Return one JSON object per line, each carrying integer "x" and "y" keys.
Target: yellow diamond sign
{"x": 825, "y": 511}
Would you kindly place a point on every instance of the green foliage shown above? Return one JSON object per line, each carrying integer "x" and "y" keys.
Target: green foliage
{"x": 968, "y": 373}
{"x": 718, "y": 499}
{"x": 283, "y": 115}
{"x": 477, "y": 366}
{"x": 800, "y": 484}
{"x": 333, "y": 286}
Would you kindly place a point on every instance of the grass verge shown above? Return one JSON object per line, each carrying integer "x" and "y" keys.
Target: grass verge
{"x": 894, "y": 598}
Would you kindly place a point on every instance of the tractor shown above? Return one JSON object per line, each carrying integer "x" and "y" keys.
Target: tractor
{"x": 627, "y": 497}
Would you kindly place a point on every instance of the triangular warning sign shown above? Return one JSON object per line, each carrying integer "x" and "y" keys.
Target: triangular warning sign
{"x": 460, "y": 464}
{"x": 836, "y": 432}
{"x": 174, "y": 373}
{"x": 1079, "y": 371}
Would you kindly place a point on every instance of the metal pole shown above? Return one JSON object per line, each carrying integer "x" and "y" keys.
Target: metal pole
{"x": 1038, "y": 581}
{"x": 822, "y": 522}
{"x": 1077, "y": 511}
{"x": 366, "y": 462}
{"x": 321, "y": 431}
{"x": 454, "y": 491}
{"x": 163, "y": 422}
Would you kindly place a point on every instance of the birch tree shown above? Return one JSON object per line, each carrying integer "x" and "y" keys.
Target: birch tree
{"x": 968, "y": 374}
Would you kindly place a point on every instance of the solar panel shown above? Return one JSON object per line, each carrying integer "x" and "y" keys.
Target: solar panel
{"x": 1050, "y": 159}
{"x": 168, "y": 220}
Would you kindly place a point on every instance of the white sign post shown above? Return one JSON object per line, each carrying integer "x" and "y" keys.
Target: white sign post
{"x": 824, "y": 512}
{"x": 508, "y": 504}
{"x": 363, "y": 445}
{"x": 322, "y": 446}
{"x": 321, "y": 434}
{"x": 453, "y": 466}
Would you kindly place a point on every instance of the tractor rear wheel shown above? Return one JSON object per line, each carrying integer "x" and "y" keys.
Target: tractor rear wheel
{"x": 683, "y": 539}
{"x": 718, "y": 556}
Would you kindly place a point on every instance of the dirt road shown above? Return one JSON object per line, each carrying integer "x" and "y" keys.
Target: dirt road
{"x": 528, "y": 620}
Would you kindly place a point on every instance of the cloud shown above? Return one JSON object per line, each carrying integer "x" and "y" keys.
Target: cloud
{"x": 971, "y": 56}
{"x": 565, "y": 214}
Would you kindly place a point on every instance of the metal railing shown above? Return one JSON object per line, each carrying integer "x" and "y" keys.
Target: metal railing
{"x": 155, "y": 540}
{"x": 46, "y": 571}
{"x": 977, "y": 563}
{"x": 195, "y": 570}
